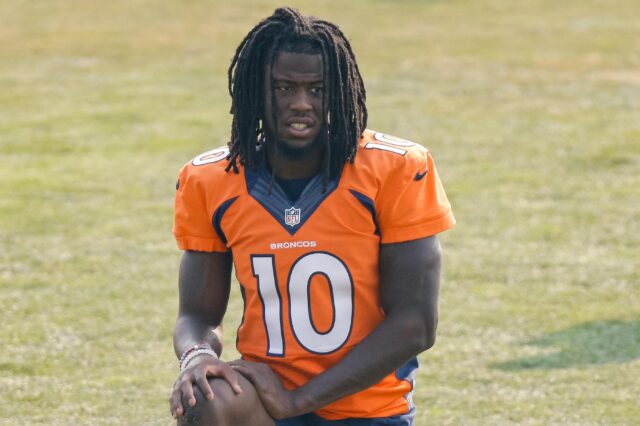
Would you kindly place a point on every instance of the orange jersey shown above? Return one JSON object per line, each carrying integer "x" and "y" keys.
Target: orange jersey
{"x": 308, "y": 269}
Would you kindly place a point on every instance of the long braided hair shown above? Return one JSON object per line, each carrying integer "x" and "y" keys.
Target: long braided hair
{"x": 344, "y": 99}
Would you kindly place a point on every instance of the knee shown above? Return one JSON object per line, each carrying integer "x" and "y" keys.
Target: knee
{"x": 206, "y": 411}
{"x": 226, "y": 407}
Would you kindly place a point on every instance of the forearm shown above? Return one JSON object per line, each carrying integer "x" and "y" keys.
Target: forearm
{"x": 409, "y": 283}
{"x": 190, "y": 330}
{"x": 204, "y": 283}
{"x": 396, "y": 340}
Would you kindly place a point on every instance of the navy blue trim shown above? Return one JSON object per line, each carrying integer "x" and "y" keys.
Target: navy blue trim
{"x": 408, "y": 371}
{"x": 369, "y": 205}
{"x": 276, "y": 202}
{"x": 312, "y": 419}
{"x": 244, "y": 310}
{"x": 293, "y": 187}
{"x": 217, "y": 218}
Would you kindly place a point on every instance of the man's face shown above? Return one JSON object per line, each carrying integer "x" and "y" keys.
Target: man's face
{"x": 298, "y": 84}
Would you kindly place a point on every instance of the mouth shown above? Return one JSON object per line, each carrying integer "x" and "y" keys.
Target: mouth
{"x": 299, "y": 128}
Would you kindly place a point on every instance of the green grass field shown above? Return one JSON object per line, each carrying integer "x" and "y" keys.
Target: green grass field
{"x": 530, "y": 108}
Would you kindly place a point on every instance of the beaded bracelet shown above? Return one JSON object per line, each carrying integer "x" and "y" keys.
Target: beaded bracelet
{"x": 194, "y": 354}
{"x": 191, "y": 349}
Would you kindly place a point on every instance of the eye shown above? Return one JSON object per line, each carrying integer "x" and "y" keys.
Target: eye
{"x": 282, "y": 88}
{"x": 317, "y": 90}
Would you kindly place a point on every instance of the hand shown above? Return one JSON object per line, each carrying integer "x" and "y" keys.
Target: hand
{"x": 202, "y": 367}
{"x": 279, "y": 402}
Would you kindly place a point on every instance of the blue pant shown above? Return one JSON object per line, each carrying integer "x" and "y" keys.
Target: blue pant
{"x": 314, "y": 420}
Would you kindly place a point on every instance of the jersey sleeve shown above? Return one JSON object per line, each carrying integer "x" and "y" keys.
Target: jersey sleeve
{"x": 412, "y": 203}
{"x": 192, "y": 226}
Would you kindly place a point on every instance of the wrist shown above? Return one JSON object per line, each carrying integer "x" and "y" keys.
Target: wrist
{"x": 193, "y": 352}
{"x": 301, "y": 403}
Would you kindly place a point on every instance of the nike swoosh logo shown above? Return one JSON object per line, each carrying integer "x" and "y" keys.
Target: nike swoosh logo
{"x": 419, "y": 175}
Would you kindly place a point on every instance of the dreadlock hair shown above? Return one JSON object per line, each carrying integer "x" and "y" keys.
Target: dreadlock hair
{"x": 345, "y": 116}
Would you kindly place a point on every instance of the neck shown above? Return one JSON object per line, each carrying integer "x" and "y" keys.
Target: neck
{"x": 298, "y": 167}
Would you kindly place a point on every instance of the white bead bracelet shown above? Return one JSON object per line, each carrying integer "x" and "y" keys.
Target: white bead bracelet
{"x": 194, "y": 354}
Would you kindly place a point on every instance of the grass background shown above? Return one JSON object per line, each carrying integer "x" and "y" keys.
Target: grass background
{"x": 531, "y": 109}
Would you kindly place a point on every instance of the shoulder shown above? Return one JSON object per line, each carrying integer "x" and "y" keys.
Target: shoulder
{"x": 208, "y": 166}
{"x": 207, "y": 172}
{"x": 399, "y": 178}
{"x": 382, "y": 147}
{"x": 203, "y": 187}
{"x": 380, "y": 154}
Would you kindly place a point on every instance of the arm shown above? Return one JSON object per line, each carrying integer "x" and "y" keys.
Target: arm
{"x": 204, "y": 283}
{"x": 409, "y": 289}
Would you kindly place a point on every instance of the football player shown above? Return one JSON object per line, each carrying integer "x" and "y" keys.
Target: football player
{"x": 332, "y": 231}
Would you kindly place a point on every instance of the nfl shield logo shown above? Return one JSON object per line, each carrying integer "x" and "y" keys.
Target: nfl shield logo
{"x": 292, "y": 216}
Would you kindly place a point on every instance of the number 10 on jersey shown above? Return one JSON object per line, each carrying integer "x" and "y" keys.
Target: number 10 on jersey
{"x": 299, "y": 296}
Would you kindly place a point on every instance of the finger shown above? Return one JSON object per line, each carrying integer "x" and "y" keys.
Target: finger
{"x": 232, "y": 378}
{"x": 176, "y": 404}
{"x": 247, "y": 373}
{"x": 243, "y": 364}
{"x": 238, "y": 367}
{"x": 187, "y": 393}
{"x": 236, "y": 362}
{"x": 205, "y": 388}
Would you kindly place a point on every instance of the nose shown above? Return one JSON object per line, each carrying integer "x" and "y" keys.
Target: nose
{"x": 301, "y": 101}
